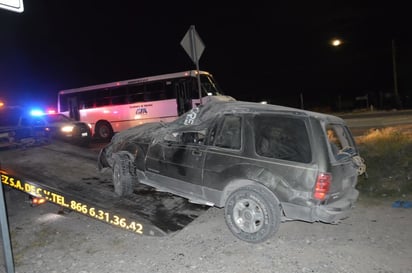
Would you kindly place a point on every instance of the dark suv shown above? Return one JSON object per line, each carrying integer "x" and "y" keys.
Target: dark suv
{"x": 263, "y": 163}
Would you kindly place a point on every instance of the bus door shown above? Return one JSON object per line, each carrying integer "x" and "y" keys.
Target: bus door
{"x": 183, "y": 96}
{"x": 74, "y": 111}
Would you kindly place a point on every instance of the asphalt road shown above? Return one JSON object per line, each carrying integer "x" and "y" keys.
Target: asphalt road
{"x": 360, "y": 123}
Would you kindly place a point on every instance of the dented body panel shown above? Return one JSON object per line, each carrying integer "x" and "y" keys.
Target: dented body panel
{"x": 225, "y": 145}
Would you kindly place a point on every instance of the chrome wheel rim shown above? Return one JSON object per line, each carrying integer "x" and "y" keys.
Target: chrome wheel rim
{"x": 248, "y": 215}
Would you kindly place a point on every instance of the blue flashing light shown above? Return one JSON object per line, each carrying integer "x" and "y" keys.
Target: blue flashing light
{"x": 36, "y": 112}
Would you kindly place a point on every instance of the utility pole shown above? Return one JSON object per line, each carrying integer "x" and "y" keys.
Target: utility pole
{"x": 301, "y": 101}
{"x": 395, "y": 76}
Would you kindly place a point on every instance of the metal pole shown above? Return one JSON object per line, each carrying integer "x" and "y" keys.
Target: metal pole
{"x": 194, "y": 51}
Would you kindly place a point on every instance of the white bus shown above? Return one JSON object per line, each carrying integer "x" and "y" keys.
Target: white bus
{"x": 116, "y": 106}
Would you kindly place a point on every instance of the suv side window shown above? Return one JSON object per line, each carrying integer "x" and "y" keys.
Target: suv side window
{"x": 282, "y": 137}
{"x": 229, "y": 135}
{"x": 195, "y": 137}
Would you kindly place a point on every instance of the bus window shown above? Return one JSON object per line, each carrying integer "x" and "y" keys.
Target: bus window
{"x": 63, "y": 103}
{"x": 136, "y": 93}
{"x": 119, "y": 95}
{"x": 192, "y": 87}
{"x": 104, "y": 98}
{"x": 87, "y": 99}
{"x": 209, "y": 86}
{"x": 169, "y": 90}
{"x": 154, "y": 91}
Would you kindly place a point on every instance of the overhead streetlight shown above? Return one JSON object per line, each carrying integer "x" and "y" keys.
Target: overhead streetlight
{"x": 336, "y": 42}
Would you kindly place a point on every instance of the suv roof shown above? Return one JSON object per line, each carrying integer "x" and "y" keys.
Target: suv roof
{"x": 222, "y": 105}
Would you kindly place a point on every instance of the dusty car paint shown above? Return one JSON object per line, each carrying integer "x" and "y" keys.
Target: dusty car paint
{"x": 216, "y": 155}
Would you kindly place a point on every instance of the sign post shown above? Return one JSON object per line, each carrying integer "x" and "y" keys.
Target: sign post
{"x": 194, "y": 47}
{"x": 5, "y": 234}
{"x": 16, "y": 6}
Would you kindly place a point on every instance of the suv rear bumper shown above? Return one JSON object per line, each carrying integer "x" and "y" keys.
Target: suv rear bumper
{"x": 328, "y": 213}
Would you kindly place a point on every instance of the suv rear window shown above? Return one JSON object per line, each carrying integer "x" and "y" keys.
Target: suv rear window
{"x": 339, "y": 140}
{"x": 282, "y": 137}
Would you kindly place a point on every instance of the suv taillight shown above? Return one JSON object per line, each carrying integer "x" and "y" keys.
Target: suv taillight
{"x": 322, "y": 186}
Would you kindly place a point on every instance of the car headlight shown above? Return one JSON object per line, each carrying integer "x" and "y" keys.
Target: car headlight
{"x": 67, "y": 129}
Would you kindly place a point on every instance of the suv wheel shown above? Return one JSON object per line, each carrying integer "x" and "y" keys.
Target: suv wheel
{"x": 253, "y": 213}
{"x": 122, "y": 178}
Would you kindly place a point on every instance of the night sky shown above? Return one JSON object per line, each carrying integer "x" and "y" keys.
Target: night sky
{"x": 272, "y": 51}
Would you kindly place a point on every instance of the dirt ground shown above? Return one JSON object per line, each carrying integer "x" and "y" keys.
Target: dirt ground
{"x": 375, "y": 238}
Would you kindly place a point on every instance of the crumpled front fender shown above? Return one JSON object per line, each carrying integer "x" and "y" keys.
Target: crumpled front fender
{"x": 102, "y": 160}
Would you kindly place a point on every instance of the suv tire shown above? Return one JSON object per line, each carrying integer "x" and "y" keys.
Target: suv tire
{"x": 122, "y": 178}
{"x": 253, "y": 213}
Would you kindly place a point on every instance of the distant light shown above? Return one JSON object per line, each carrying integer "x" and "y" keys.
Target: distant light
{"x": 36, "y": 201}
{"x": 336, "y": 42}
{"x": 264, "y": 102}
{"x": 1, "y": 104}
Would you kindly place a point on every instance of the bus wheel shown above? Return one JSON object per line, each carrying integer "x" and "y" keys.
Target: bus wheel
{"x": 104, "y": 131}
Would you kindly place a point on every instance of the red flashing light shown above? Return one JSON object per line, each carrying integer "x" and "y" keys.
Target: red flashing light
{"x": 322, "y": 186}
{"x": 51, "y": 111}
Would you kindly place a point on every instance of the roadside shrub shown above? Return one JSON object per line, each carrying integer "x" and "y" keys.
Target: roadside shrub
{"x": 388, "y": 157}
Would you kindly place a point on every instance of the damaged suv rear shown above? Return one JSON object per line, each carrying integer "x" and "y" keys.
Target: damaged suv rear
{"x": 263, "y": 163}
